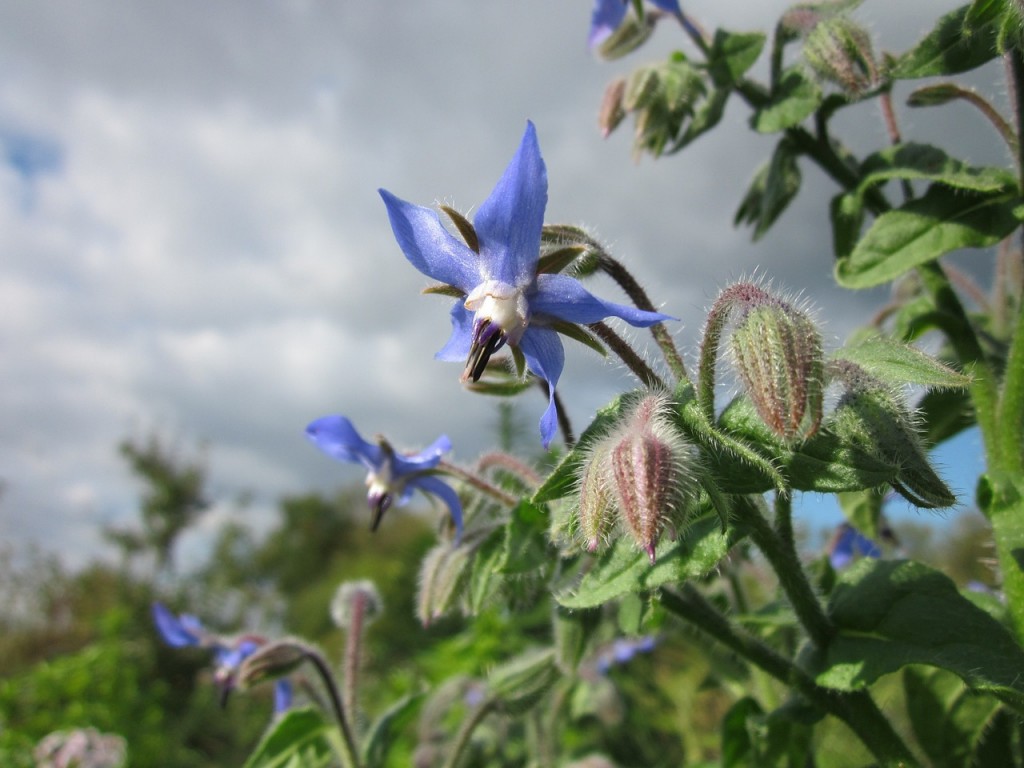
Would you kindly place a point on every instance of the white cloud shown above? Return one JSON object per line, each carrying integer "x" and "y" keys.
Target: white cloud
{"x": 211, "y": 259}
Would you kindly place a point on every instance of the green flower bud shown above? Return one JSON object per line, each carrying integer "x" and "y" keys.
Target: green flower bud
{"x": 273, "y": 660}
{"x": 839, "y": 50}
{"x": 776, "y": 351}
{"x": 597, "y": 501}
{"x": 876, "y": 418}
{"x": 441, "y": 574}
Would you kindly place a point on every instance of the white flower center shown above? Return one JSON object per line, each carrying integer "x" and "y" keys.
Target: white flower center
{"x": 501, "y": 304}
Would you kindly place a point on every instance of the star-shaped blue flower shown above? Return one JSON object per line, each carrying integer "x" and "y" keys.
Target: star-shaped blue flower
{"x": 608, "y": 15}
{"x": 186, "y": 630}
{"x": 505, "y": 300}
{"x": 391, "y": 477}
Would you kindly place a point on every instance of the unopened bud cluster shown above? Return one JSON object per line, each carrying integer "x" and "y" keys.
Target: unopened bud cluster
{"x": 640, "y": 477}
{"x": 662, "y": 98}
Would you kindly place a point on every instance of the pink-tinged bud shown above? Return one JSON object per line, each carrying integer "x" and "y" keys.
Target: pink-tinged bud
{"x": 612, "y": 113}
{"x": 840, "y": 51}
{"x": 776, "y": 350}
{"x": 652, "y": 472}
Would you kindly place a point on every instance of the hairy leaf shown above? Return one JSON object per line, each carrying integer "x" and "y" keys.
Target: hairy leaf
{"x": 299, "y": 737}
{"x": 895, "y": 363}
{"x": 625, "y": 569}
{"x": 952, "y": 46}
{"x": 893, "y": 613}
{"x": 940, "y": 221}
{"x": 795, "y": 100}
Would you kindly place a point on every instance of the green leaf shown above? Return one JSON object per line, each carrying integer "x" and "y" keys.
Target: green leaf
{"x": 706, "y": 117}
{"x": 940, "y": 221}
{"x": 751, "y": 738}
{"x": 847, "y": 214}
{"x": 895, "y": 363}
{"x": 825, "y": 463}
{"x": 732, "y": 54}
{"x": 386, "y": 730}
{"x": 863, "y": 509}
{"x": 485, "y": 578}
{"x": 299, "y": 737}
{"x": 520, "y": 683}
{"x": 525, "y": 546}
{"x": 795, "y": 100}
{"x": 912, "y": 161}
{"x": 947, "y": 717}
{"x": 890, "y": 614}
{"x": 624, "y": 568}
{"x": 772, "y": 190}
{"x": 953, "y": 46}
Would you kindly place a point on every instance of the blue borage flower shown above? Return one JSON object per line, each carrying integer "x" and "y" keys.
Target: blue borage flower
{"x": 848, "y": 544}
{"x": 228, "y": 654}
{"x": 504, "y": 300}
{"x": 391, "y": 476}
{"x": 609, "y": 14}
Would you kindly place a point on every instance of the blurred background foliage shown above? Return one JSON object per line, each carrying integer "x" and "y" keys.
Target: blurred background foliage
{"x": 78, "y": 648}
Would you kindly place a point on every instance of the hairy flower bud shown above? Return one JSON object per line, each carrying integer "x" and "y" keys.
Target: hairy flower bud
{"x": 354, "y": 598}
{"x": 271, "y": 661}
{"x": 776, "y": 349}
{"x": 597, "y": 496}
{"x": 839, "y": 50}
{"x": 643, "y": 471}
{"x": 875, "y": 418}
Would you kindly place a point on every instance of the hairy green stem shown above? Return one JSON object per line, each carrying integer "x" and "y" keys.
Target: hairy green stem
{"x": 353, "y": 655}
{"x": 628, "y": 355}
{"x": 349, "y": 752}
{"x": 961, "y": 334}
{"x": 614, "y": 269}
{"x": 856, "y": 709}
{"x": 477, "y": 482}
{"x": 465, "y": 733}
{"x": 779, "y": 548}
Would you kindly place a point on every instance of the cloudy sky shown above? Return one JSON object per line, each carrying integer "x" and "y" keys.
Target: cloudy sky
{"x": 191, "y": 240}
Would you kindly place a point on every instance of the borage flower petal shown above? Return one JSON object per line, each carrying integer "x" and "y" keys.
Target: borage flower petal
{"x": 177, "y": 631}
{"x": 505, "y": 300}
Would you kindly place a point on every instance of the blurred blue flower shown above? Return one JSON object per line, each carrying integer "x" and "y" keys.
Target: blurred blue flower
{"x": 391, "y": 477}
{"x": 228, "y": 654}
{"x": 505, "y": 300}
{"x": 623, "y": 650}
{"x": 847, "y": 544}
{"x": 608, "y": 15}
